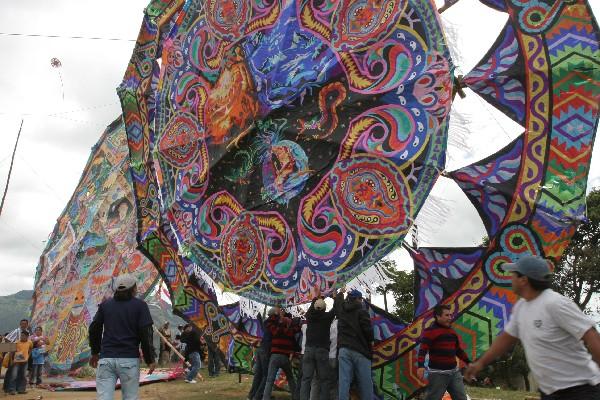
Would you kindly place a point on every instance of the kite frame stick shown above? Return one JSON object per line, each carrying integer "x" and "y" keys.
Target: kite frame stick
{"x": 164, "y": 339}
{"x": 447, "y": 5}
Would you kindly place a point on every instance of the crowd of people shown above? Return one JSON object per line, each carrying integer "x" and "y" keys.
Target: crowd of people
{"x": 335, "y": 348}
{"x": 24, "y": 364}
{"x": 561, "y": 343}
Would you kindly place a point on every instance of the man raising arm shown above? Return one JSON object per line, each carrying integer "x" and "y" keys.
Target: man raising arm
{"x": 554, "y": 333}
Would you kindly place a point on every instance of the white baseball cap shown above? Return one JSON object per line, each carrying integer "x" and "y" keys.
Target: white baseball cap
{"x": 125, "y": 282}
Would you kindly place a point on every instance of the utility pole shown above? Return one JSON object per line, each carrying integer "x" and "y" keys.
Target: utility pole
{"x": 12, "y": 160}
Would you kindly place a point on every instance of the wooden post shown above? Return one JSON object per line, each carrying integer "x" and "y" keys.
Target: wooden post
{"x": 12, "y": 160}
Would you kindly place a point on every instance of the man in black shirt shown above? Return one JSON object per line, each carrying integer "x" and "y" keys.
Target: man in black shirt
{"x": 121, "y": 325}
{"x": 261, "y": 360}
{"x": 191, "y": 338}
{"x": 316, "y": 350}
{"x": 355, "y": 344}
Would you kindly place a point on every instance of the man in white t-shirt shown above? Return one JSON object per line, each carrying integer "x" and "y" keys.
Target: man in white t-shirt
{"x": 554, "y": 333}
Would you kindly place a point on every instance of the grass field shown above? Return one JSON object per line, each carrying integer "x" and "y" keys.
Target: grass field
{"x": 225, "y": 387}
{"x": 477, "y": 393}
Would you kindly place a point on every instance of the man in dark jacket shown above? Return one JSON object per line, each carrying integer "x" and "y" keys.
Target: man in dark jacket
{"x": 261, "y": 360}
{"x": 316, "y": 350}
{"x": 121, "y": 325}
{"x": 355, "y": 344}
{"x": 193, "y": 351}
{"x": 282, "y": 347}
{"x": 214, "y": 365}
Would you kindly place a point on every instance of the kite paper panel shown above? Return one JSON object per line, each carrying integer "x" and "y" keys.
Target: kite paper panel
{"x": 247, "y": 332}
{"x": 193, "y": 297}
{"x": 94, "y": 241}
{"x": 439, "y": 272}
{"x": 286, "y": 144}
{"x": 529, "y": 195}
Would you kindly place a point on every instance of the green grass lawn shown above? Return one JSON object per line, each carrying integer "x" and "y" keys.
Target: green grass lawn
{"x": 495, "y": 394}
{"x": 228, "y": 387}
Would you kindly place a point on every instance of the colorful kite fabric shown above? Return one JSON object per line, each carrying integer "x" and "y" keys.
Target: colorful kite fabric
{"x": 246, "y": 336}
{"x": 285, "y": 145}
{"x": 279, "y": 146}
{"x": 544, "y": 72}
{"x": 94, "y": 240}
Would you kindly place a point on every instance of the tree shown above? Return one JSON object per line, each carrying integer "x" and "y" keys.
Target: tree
{"x": 401, "y": 286}
{"x": 577, "y": 274}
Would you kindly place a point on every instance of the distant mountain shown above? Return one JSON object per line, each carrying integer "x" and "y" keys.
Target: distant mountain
{"x": 13, "y": 308}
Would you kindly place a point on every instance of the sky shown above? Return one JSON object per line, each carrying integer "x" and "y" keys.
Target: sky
{"x": 65, "y": 110}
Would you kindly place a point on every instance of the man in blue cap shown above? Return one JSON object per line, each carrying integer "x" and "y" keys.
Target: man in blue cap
{"x": 355, "y": 345}
{"x": 554, "y": 333}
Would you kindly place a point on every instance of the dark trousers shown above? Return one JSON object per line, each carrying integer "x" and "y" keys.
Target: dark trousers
{"x": 277, "y": 361}
{"x": 213, "y": 361}
{"x": 582, "y": 392}
{"x": 7, "y": 378}
{"x": 315, "y": 363}
{"x": 261, "y": 367}
{"x": 17, "y": 380}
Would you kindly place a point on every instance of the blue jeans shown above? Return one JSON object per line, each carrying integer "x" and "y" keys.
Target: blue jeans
{"x": 440, "y": 382}
{"x": 17, "y": 379}
{"x": 261, "y": 369}
{"x": 275, "y": 362}
{"x": 353, "y": 364}
{"x": 36, "y": 374}
{"x": 196, "y": 362}
{"x": 315, "y": 361}
{"x": 127, "y": 370}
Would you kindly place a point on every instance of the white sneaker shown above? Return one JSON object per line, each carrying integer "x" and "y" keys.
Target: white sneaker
{"x": 192, "y": 381}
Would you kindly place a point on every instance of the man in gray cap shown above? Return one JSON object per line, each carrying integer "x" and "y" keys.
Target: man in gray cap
{"x": 554, "y": 333}
{"x": 121, "y": 325}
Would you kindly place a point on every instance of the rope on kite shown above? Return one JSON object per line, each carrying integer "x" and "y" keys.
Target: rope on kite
{"x": 56, "y": 64}
{"x": 432, "y": 216}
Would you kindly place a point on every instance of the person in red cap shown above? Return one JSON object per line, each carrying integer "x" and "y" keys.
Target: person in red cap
{"x": 554, "y": 333}
{"x": 121, "y": 325}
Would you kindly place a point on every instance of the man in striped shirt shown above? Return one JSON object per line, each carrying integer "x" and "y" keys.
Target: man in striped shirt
{"x": 283, "y": 342}
{"x": 443, "y": 346}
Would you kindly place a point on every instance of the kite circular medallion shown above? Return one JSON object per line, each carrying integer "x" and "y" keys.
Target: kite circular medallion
{"x": 324, "y": 128}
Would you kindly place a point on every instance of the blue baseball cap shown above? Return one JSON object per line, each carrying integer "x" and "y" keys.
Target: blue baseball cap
{"x": 355, "y": 293}
{"x": 533, "y": 267}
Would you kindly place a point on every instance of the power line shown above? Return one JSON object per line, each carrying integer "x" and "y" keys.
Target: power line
{"x": 61, "y": 113}
{"x": 39, "y": 35}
